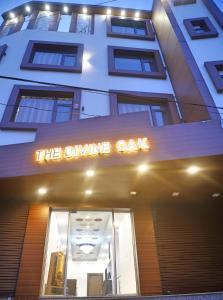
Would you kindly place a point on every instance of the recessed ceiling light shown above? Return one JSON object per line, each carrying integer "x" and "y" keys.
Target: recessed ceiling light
{"x": 133, "y": 193}
{"x": 216, "y": 195}
{"x": 193, "y": 170}
{"x": 109, "y": 11}
{"x": 47, "y": 7}
{"x": 175, "y": 194}
{"x": 65, "y": 9}
{"x": 84, "y": 10}
{"x": 88, "y": 192}
{"x": 42, "y": 191}
{"x": 137, "y": 14}
{"x": 90, "y": 173}
{"x": 123, "y": 13}
{"x": 28, "y": 9}
{"x": 143, "y": 168}
{"x": 12, "y": 15}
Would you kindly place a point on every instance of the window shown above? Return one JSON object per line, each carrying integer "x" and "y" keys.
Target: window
{"x": 51, "y": 56}
{"x": 157, "y": 113}
{"x": 3, "y": 50}
{"x": 40, "y": 104}
{"x": 200, "y": 28}
{"x": 135, "y": 62}
{"x": 64, "y": 24}
{"x": 183, "y": 2}
{"x": 215, "y": 71}
{"x": 84, "y": 23}
{"x": 44, "y": 20}
{"x": 129, "y": 28}
{"x": 9, "y": 27}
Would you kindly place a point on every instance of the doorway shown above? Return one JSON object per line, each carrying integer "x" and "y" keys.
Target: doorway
{"x": 90, "y": 253}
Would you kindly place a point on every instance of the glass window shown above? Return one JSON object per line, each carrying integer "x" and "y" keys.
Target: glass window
{"x": 200, "y": 26}
{"x": 43, "y": 20}
{"x": 41, "y": 110}
{"x": 127, "y": 63}
{"x": 128, "y": 26}
{"x": 64, "y": 25}
{"x": 84, "y": 23}
{"x": 69, "y": 60}
{"x": 149, "y": 65}
{"x": 9, "y": 27}
{"x": 90, "y": 254}
{"x": 25, "y": 23}
{"x": 220, "y": 72}
{"x": 157, "y": 113}
{"x": 54, "y": 58}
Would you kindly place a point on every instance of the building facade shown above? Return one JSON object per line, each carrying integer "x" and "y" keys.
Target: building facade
{"x": 111, "y": 149}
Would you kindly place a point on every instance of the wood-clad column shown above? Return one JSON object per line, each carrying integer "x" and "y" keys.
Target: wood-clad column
{"x": 149, "y": 274}
{"x": 28, "y": 285}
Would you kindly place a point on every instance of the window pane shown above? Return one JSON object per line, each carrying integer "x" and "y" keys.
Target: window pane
{"x": 140, "y": 31}
{"x": 83, "y": 23}
{"x": 25, "y": 23}
{"x": 69, "y": 60}
{"x": 132, "y": 64}
{"x": 63, "y": 113}
{"x": 8, "y": 28}
{"x": 43, "y": 20}
{"x": 125, "y": 108}
{"x": 149, "y": 65}
{"x": 47, "y": 58}
{"x": 220, "y": 73}
{"x": 64, "y": 24}
{"x": 122, "y": 29}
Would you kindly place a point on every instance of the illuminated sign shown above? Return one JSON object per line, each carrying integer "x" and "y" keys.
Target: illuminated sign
{"x": 87, "y": 150}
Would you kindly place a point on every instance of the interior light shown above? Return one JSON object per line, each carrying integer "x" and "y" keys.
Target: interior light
{"x": 175, "y": 194}
{"x": 42, "y": 191}
{"x": 133, "y": 193}
{"x": 28, "y": 9}
{"x": 193, "y": 170}
{"x": 88, "y": 192}
{"x": 47, "y": 7}
{"x": 86, "y": 248}
{"x": 65, "y": 9}
{"x": 108, "y": 237}
{"x": 90, "y": 173}
{"x": 12, "y": 15}
{"x": 109, "y": 11}
{"x": 123, "y": 13}
{"x": 137, "y": 14}
{"x": 143, "y": 168}
{"x": 216, "y": 195}
{"x": 84, "y": 10}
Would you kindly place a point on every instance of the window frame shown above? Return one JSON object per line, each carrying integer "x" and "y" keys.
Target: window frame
{"x": 45, "y": 91}
{"x": 150, "y": 35}
{"x": 34, "y": 45}
{"x": 159, "y": 74}
{"x": 73, "y": 24}
{"x": 211, "y": 33}
{"x": 117, "y": 96}
{"x": 212, "y": 69}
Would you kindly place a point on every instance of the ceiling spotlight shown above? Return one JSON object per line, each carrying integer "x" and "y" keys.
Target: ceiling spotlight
{"x": 133, "y": 193}
{"x": 175, "y": 194}
{"x": 123, "y": 13}
{"x": 47, "y": 7}
{"x": 143, "y": 168}
{"x": 216, "y": 195}
{"x": 28, "y": 9}
{"x": 193, "y": 170}
{"x": 42, "y": 191}
{"x": 90, "y": 173}
{"x": 12, "y": 15}
{"x": 84, "y": 10}
{"x": 137, "y": 14}
{"x": 86, "y": 248}
{"x": 88, "y": 192}
{"x": 109, "y": 11}
{"x": 65, "y": 9}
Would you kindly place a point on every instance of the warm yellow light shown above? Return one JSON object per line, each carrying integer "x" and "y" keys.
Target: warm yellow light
{"x": 88, "y": 192}
{"x": 28, "y": 9}
{"x": 175, "y": 194}
{"x": 12, "y": 15}
{"x": 109, "y": 11}
{"x": 143, "y": 168}
{"x": 133, "y": 193}
{"x": 193, "y": 170}
{"x": 65, "y": 9}
{"x": 47, "y": 7}
{"x": 123, "y": 13}
{"x": 90, "y": 173}
{"x": 84, "y": 10}
{"x": 137, "y": 14}
{"x": 42, "y": 191}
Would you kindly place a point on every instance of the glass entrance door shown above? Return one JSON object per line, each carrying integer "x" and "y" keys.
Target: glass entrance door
{"x": 90, "y": 253}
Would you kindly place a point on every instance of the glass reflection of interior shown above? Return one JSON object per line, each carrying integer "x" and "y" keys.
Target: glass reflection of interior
{"x": 90, "y": 253}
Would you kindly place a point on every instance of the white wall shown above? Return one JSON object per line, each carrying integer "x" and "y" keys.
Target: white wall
{"x": 209, "y": 49}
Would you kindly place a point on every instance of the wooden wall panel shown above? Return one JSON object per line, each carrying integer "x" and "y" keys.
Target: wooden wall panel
{"x": 149, "y": 275}
{"x": 13, "y": 218}
{"x": 190, "y": 247}
{"x": 28, "y": 286}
